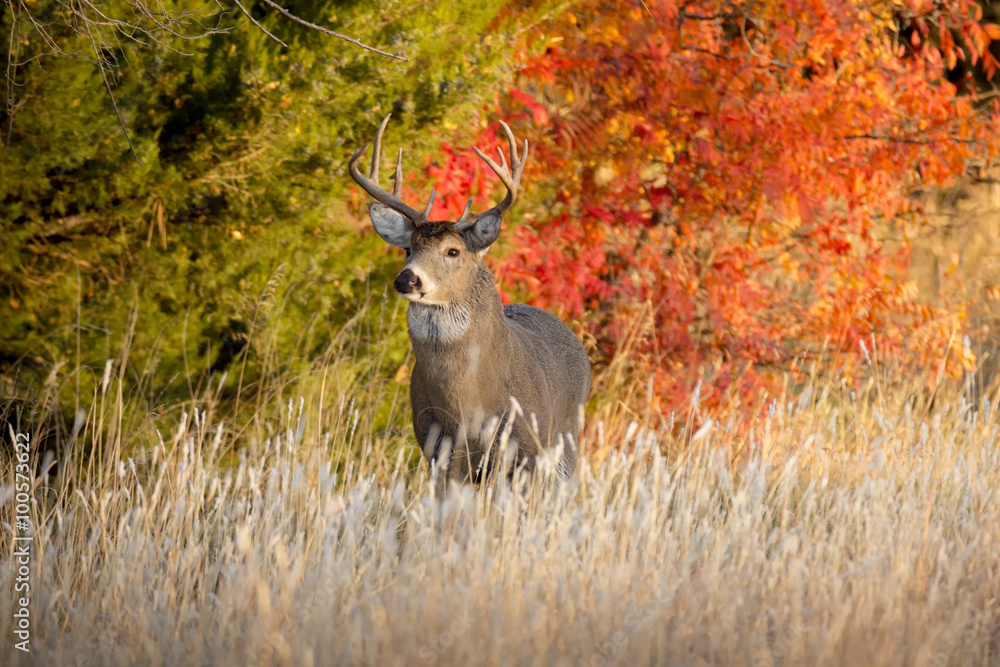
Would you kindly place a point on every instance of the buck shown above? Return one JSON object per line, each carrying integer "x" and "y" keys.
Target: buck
{"x": 485, "y": 374}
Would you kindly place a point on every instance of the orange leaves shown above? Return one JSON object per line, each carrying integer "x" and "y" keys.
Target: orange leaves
{"x": 539, "y": 115}
{"x": 735, "y": 165}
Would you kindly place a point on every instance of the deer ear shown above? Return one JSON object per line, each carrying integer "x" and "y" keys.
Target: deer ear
{"x": 394, "y": 228}
{"x": 481, "y": 235}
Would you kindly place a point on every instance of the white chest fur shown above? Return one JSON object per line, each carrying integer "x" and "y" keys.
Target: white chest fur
{"x": 443, "y": 324}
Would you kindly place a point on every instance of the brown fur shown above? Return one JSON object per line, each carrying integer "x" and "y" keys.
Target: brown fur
{"x": 513, "y": 350}
{"x": 482, "y": 369}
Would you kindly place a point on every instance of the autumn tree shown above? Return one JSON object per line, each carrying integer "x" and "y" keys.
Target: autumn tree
{"x": 724, "y": 187}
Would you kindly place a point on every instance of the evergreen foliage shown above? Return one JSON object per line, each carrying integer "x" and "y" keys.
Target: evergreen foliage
{"x": 237, "y": 206}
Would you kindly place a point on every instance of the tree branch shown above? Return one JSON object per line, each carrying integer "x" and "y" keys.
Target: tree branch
{"x": 13, "y": 55}
{"x": 148, "y": 24}
{"x": 254, "y": 21}
{"x": 909, "y": 140}
{"x": 111, "y": 93}
{"x": 356, "y": 42}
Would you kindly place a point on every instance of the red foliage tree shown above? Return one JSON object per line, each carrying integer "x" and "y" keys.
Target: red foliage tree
{"x": 737, "y": 175}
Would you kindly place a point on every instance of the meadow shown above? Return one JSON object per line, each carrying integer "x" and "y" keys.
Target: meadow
{"x": 841, "y": 527}
{"x": 721, "y": 193}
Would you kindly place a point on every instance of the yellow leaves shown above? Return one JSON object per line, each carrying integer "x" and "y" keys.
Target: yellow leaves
{"x": 653, "y": 173}
{"x": 993, "y": 293}
{"x": 286, "y": 101}
{"x": 968, "y": 357}
{"x": 790, "y": 265}
{"x": 402, "y": 374}
{"x": 821, "y": 309}
{"x": 668, "y": 154}
{"x": 604, "y": 174}
{"x": 618, "y": 129}
{"x": 623, "y": 91}
{"x": 449, "y": 125}
{"x": 953, "y": 263}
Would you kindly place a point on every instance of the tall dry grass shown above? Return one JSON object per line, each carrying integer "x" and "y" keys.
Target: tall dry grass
{"x": 843, "y": 529}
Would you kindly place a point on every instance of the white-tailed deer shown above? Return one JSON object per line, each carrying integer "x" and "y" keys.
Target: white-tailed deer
{"x": 483, "y": 370}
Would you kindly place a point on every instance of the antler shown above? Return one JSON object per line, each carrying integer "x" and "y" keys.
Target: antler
{"x": 509, "y": 176}
{"x": 371, "y": 184}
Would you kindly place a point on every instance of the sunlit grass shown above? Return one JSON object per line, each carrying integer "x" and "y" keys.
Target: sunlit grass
{"x": 839, "y": 530}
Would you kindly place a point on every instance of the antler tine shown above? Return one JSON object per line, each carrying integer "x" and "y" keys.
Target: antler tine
{"x": 510, "y": 175}
{"x": 377, "y": 154}
{"x": 430, "y": 205}
{"x": 521, "y": 163}
{"x": 503, "y": 174}
{"x": 503, "y": 160}
{"x": 510, "y": 140}
{"x": 467, "y": 212}
{"x": 397, "y": 176}
{"x": 371, "y": 184}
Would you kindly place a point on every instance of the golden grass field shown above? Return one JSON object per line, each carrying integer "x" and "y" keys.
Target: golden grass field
{"x": 843, "y": 529}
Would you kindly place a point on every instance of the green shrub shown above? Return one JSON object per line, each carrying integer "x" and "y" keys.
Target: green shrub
{"x": 240, "y": 204}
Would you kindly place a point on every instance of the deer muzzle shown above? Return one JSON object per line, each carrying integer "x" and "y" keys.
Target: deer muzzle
{"x": 407, "y": 282}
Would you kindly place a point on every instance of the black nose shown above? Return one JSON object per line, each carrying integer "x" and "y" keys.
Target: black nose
{"x": 406, "y": 282}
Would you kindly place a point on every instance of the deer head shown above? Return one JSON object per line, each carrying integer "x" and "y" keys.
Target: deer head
{"x": 442, "y": 256}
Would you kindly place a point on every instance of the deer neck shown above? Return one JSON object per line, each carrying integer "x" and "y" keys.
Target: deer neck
{"x": 458, "y": 347}
{"x": 477, "y": 317}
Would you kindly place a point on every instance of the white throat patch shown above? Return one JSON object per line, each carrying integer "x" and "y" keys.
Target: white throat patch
{"x": 444, "y": 324}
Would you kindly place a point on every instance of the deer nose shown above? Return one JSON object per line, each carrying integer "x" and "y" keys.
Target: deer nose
{"x": 406, "y": 282}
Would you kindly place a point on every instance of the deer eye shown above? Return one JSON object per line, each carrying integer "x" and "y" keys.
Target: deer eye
{"x": 407, "y": 252}
{"x": 453, "y": 252}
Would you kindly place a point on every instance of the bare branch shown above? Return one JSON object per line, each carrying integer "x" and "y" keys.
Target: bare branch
{"x": 295, "y": 18}
{"x": 254, "y": 21}
{"x": 168, "y": 19}
{"x": 910, "y": 140}
{"x": 12, "y": 57}
{"x": 143, "y": 22}
{"x": 41, "y": 31}
{"x": 111, "y": 93}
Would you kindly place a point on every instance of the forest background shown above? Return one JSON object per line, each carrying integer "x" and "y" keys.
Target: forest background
{"x": 722, "y": 197}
